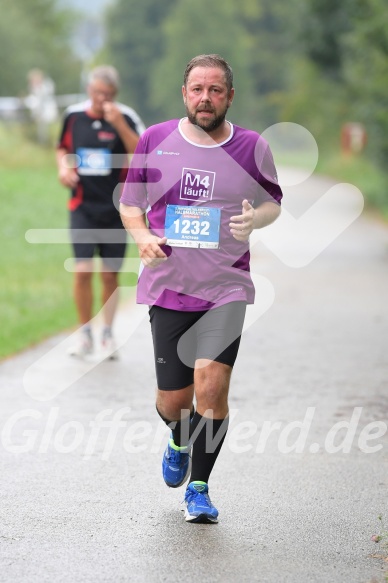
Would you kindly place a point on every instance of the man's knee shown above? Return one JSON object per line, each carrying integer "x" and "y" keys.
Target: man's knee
{"x": 109, "y": 277}
{"x": 174, "y": 405}
{"x": 83, "y": 272}
{"x": 212, "y": 381}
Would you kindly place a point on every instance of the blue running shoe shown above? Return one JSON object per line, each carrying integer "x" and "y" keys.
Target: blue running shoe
{"x": 176, "y": 464}
{"x": 198, "y": 504}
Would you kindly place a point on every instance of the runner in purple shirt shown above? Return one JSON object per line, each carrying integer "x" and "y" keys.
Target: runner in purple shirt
{"x": 196, "y": 189}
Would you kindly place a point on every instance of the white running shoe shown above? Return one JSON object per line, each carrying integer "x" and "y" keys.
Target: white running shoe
{"x": 109, "y": 349}
{"x": 83, "y": 347}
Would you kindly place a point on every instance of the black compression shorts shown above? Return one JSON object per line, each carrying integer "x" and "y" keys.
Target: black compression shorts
{"x": 180, "y": 338}
{"x": 108, "y": 239}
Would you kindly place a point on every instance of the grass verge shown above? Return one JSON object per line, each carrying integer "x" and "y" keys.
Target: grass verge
{"x": 36, "y": 290}
{"x": 382, "y": 540}
{"x": 356, "y": 169}
{"x": 360, "y": 171}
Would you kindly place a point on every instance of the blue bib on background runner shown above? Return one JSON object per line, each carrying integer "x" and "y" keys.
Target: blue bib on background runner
{"x": 94, "y": 161}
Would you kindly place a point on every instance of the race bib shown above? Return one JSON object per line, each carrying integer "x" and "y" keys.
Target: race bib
{"x": 192, "y": 226}
{"x": 94, "y": 161}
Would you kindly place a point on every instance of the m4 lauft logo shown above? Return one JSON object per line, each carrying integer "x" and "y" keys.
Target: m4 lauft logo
{"x": 197, "y": 184}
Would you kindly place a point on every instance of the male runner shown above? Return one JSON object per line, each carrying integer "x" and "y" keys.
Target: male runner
{"x": 204, "y": 184}
{"x": 98, "y": 133}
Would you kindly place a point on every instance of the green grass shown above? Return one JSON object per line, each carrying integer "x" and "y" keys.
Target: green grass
{"x": 356, "y": 169}
{"x": 36, "y": 290}
{"x": 382, "y": 540}
{"x": 360, "y": 171}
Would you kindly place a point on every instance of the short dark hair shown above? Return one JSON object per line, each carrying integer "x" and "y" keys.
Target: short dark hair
{"x": 210, "y": 61}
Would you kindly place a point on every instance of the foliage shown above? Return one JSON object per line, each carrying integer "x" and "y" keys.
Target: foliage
{"x": 366, "y": 72}
{"x": 151, "y": 45}
{"x": 187, "y": 33}
{"x": 345, "y": 46}
{"x": 317, "y": 103}
{"x": 34, "y": 33}
{"x": 323, "y": 24}
{"x": 320, "y": 63}
{"x": 269, "y": 26}
{"x": 360, "y": 171}
{"x": 134, "y": 42}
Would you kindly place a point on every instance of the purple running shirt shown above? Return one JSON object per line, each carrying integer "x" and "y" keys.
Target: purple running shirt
{"x": 190, "y": 192}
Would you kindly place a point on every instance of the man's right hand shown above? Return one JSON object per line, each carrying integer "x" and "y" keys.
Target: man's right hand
{"x": 68, "y": 176}
{"x": 150, "y": 252}
{"x": 148, "y": 244}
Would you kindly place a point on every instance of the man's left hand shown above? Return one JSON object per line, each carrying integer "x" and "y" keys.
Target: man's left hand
{"x": 241, "y": 226}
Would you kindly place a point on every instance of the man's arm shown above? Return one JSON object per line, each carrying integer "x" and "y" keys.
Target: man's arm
{"x": 241, "y": 226}
{"x": 67, "y": 175}
{"x": 113, "y": 115}
{"x": 265, "y": 214}
{"x": 134, "y": 221}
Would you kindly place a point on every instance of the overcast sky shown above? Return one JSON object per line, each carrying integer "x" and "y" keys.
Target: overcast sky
{"x": 91, "y": 6}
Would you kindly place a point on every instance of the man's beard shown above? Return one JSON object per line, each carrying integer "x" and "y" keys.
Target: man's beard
{"x": 207, "y": 125}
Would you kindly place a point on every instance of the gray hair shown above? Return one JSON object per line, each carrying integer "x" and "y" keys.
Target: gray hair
{"x": 210, "y": 61}
{"x": 107, "y": 74}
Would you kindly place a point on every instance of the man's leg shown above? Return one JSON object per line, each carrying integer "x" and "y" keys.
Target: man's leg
{"x": 218, "y": 339}
{"x": 83, "y": 291}
{"x": 175, "y": 363}
{"x": 210, "y": 422}
{"x": 83, "y": 298}
{"x": 174, "y": 400}
{"x": 112, "y": 252}
{"x": 208, "y": 430}
{"x": 176, "y": 409}
{"x": 218, "y": 334}
{"x": 83, "y": 248}
{"x": 110, "y": 295}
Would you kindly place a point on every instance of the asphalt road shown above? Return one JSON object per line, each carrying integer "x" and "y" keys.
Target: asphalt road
{"x": 302, "y": 477}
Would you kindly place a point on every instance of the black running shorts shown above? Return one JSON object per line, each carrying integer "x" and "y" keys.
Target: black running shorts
{"x": 107, "y": 239}
{"x": 180, "y": 338}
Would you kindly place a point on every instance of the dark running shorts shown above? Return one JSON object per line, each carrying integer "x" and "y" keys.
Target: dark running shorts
{"x": 180, "y": 338}
{"x": 108, "y": 240}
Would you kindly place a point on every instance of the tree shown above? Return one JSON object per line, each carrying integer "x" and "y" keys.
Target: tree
{"x": 270, "y": 27}
{"x": 345, "y": 68}
{"x": 366, "y": 72}
{"x": 324, "y": 23}
{"x": 134, "y": 42}
{"x": 151, "y": 43}
{"x": 34, "y": 33}
{"x": 195, "y": 28}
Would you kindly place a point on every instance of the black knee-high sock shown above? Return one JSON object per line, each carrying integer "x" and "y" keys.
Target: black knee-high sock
{"x": 208, "y": 436}
{"x": 180, "y": 429}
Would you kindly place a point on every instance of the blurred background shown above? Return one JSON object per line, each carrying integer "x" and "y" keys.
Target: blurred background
{"x": 319, "y": 63}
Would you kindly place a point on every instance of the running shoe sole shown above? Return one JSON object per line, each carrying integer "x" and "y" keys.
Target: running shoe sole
{"x": 203, "y": 518}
